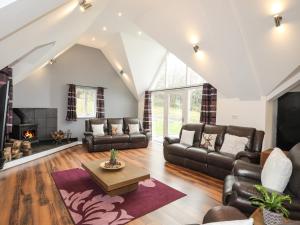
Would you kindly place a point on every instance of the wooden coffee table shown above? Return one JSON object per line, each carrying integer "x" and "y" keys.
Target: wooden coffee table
{"x": 116, "y": 182}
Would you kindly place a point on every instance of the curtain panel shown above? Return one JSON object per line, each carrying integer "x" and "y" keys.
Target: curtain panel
{"x": 5, "y": 76}
{"x": 147, "y": 120}
{"x": 71, "y": 108}
{"x": 209, "y": 104}
{"x": 100, "y": 112}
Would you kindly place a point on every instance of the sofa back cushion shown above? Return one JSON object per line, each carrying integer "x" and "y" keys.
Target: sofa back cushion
{"x": 243, "y": 132}
{"x": 88, "y": 124}
{"x": 216, "y": 129}
{"x": 111, "y": 121}
{"x": 198, "y": 128}
{"x": 129, "y": 120}
{"x": 294, "y": 183}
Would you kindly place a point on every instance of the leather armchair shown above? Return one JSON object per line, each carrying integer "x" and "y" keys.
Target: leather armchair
{"x": 239, "y": 186}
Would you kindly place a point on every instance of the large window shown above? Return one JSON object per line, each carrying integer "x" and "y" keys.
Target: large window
{"x": 86, "y": 102}
{"x": 177, "y": 99}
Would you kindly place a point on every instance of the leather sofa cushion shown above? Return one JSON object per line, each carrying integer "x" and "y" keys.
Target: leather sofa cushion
{"x": 129, "y": 120}
{"x": 216, "y": 129}
{"x": 98, "y": 121}
{"x": 221, "y": 159}
{"x": 177, "y": 149}
{"x": 111, "y": 121}
{"x": 120, "y": 138}
{"x": 198, "y": 128}
{"x": 134, "y": 138}
{"x": 102, "y": 139}
{"x": 197, "y": 154}
{"x": 244, "y": 187}
{"x": 294, "y": 183}
{"x": 243, "y": 132}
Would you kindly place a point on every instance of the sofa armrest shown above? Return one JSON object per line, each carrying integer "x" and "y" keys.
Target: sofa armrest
{"x": 252, "y": 157}
{"x": 172, "y": 140}
{"x": 248, "y": 170}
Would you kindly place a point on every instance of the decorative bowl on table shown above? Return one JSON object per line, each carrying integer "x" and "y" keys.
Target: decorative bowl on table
{"x": 107, "y": 165}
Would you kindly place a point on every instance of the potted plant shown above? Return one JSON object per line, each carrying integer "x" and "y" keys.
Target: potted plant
{"x": 113, "y": 156}
{"x": 272, "y": 205}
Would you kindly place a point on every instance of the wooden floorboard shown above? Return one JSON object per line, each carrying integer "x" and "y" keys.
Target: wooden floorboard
{"x": 29, "y": 195}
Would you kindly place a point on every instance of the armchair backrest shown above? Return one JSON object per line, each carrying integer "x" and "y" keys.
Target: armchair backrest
{"x": 294, "y": 183}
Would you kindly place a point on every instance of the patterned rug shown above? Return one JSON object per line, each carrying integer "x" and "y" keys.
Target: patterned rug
{"x": 89, "y": 205}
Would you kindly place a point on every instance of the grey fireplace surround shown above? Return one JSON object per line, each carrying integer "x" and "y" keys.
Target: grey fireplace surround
{"x": 44, "y": 118}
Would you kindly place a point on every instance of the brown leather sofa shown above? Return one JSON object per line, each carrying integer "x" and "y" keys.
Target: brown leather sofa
{"x": 214, "y": 163}
{"x": 239, "y": 186}
{"x": 109, "y": 141}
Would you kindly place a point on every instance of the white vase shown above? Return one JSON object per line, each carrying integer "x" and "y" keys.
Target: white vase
{"x": 272, "y": 218}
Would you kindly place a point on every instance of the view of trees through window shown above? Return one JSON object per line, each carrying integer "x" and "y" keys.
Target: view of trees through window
{"x": 85, "y": 102}
{"x": 172, "y": 107}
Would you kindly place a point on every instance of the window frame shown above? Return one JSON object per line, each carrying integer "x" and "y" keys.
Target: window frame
{"x": 86, "y": 115}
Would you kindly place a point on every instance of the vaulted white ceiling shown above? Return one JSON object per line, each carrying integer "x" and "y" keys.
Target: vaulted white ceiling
{"x": 245, "y": 55}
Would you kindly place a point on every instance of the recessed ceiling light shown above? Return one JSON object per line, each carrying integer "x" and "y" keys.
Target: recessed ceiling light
{"x": 140, "y": 33}
{"x": 120, "y": 14}
{"x": 104, "y": 28}
{"x": 93, "y": 38}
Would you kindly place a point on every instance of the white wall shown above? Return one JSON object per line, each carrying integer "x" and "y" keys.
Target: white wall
{"x": 47, "y": 87}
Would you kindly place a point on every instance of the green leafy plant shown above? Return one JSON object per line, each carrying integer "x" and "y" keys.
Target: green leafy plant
{"x": 113, "y": 156}
{"x": 271, "y": 201}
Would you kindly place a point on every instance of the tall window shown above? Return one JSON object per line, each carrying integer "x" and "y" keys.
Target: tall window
{"x": 172, "y": 107}
{"x": 86, "y": 102}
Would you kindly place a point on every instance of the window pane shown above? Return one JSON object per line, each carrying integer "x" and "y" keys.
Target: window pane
{"x": 175, "y": 114}
{"x": 158, "y": 100}
{"x": 195, "y": 98}
{"x": 194, "y": 78}
{"x": 160, "y": 82}
{"x": 86, "y": 102}
{"x": 176, "y": 72}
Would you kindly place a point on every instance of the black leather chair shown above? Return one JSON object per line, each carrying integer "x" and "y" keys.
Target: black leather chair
{"x": 239, "y": 186}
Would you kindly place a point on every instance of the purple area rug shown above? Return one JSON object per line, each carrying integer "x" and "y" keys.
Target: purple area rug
{"x": 89, "y": 205}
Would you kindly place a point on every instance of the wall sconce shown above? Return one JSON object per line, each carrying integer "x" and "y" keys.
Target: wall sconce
{"x": 121, "y": 72}
{"x": 277, "y": 19}
{"x": 196, "y": 48}
{"x": 52, "y": 61}
{"x": 84, "y": 5}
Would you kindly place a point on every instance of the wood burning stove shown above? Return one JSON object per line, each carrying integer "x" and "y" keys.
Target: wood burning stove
{"x": 25, "y": 130}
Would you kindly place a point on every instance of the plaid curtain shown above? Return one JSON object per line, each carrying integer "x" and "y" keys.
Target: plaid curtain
{"x": 5, "y": 76}
{"x": 147, "y": 121}
{"x": 100, "y": 113}
{"x": 71, "y": 112}
{"x": 209, "y": 104}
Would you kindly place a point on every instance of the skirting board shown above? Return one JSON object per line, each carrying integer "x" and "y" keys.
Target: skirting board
{"x": 38, "y": 155}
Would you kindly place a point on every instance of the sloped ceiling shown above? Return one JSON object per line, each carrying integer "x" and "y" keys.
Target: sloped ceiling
{"x": 245, "y": 56}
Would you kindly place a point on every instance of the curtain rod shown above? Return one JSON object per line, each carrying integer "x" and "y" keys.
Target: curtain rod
{"x": 78, "y": 85}
{"x": 179, "y": 88}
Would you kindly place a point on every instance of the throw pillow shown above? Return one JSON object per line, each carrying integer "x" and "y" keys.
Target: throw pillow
{"x": 234, "y": 144}
{"x": 116, "y": 129}
{"x": 187, "y": 137}
{"x": 234, "y": 222}
{"x": 277, "y": 171}
{"x": 134, "y": 128}
{"x": 98, "y": 129}
{"x": 208, "y": 141}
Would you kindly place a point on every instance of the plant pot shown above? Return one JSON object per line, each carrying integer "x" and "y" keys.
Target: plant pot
{"x": 272, "y": 218}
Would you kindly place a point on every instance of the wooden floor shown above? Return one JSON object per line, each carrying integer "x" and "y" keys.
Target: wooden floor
{"x": 28, "y": 194}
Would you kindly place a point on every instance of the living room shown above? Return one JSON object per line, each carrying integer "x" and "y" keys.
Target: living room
{"x": 122, "y": 112}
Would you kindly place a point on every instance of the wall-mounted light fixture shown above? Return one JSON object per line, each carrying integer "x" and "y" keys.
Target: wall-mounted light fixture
{"x": 278, "y": 20}
{"x": 52, "y": 61}
{"x": 84, "y": 5}
{"x": 199, "y": 53}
